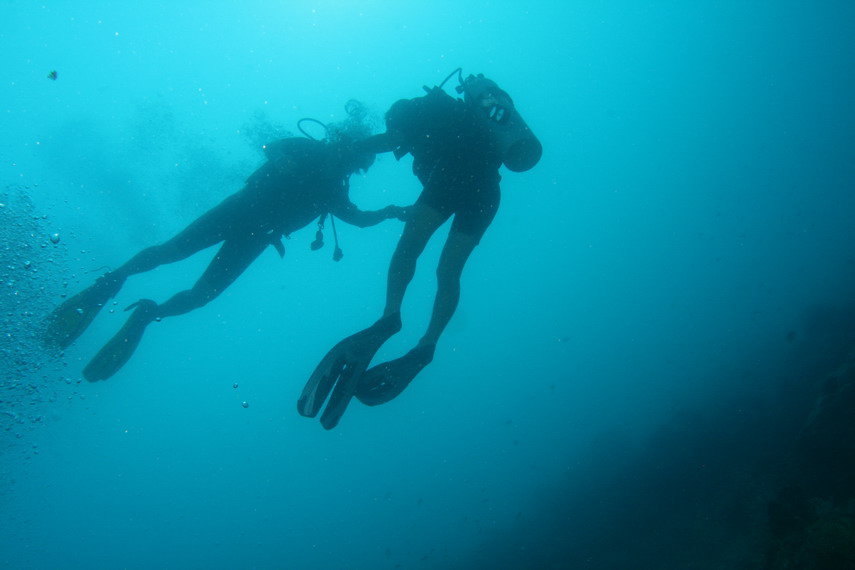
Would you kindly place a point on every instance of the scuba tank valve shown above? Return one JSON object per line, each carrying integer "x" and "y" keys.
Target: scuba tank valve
{"x": 519, "y": 148}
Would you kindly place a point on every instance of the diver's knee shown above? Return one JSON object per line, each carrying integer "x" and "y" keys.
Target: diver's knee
{"x": 200, "y": 298}
{"x": 407, "y": 251}
{"x": 158, "y": 251}
{"x": 447, "y": 276}
{"x": 188, "y": 300}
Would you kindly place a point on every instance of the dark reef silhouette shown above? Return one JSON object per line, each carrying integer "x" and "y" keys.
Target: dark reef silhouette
{"x": 761, "y": 478}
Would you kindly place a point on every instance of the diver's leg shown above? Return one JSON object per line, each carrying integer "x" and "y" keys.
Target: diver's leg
{"x": 455, "y": 253}
{"x": 339, "y": 372}
{"x": 208, "y": 229}
{"x": 68, "y": 321}
{"x": 228, "y": 264}
{"x": 418, "y": 230}
{"x": 470, "y": 223}
{"x": 386, "y": 381}
{"x": 232, "y": 259}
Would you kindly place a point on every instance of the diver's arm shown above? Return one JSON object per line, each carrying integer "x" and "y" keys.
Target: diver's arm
{"x": 384, "y": 142}
{"x": 348, "y": 212}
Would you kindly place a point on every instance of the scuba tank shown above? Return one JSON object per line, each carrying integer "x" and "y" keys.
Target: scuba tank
{"x": 303, "y": 150}
{"x": 519, "y": 148}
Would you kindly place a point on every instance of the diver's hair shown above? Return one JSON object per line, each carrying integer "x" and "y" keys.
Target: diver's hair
{"x": 358, "y": 125}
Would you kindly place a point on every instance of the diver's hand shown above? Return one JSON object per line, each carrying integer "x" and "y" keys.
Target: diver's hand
{"x": 402, "y": 213}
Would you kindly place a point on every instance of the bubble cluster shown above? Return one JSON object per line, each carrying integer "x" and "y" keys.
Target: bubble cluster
{"x": 31, "y": 278}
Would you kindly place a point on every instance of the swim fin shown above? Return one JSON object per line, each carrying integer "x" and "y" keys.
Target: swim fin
{"x": 74, "y": 315}
{"x": 386, "y": 381}
{"x": 340, "y": 370}
{"x": 121, "y": 347}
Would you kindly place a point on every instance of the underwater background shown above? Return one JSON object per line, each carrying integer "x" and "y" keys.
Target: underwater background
{"x": 651, "y": 365}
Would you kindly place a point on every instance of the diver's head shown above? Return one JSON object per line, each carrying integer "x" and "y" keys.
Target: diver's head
{"x": 346, "y": 136}
{"x": 487, "y": 97}
{"x": 351, "y": 155}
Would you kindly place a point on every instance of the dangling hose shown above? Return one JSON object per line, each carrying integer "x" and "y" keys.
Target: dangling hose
{"x": 458, "y": 71}
{"x": 337, "y": 252}
{"x": 303, "y": 120}
{"x": 319, "y": 238}
{"x": 319, "y": 235}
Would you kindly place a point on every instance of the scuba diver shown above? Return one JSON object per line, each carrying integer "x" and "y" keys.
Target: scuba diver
{"x": 457, "y": 147}
{"x": 303, "y": 179}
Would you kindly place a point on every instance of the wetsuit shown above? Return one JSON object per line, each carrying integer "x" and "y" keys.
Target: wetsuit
{"x": 299, "y": 183}
{"x": 453, "y": 158}
{"x": 458, "y": 166}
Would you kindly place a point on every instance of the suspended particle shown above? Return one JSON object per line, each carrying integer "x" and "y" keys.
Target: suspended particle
{"x": 235, "y": 385}
{"x": 54, "y": 238}
{"x": 245, "y": 404}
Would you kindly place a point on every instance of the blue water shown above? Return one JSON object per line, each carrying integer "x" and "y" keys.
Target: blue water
{"x": 646, "y": 283}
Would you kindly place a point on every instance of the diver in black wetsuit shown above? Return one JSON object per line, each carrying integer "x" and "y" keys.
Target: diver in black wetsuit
{"x": 302, "y": 180}
{"x": 457, "y": 147}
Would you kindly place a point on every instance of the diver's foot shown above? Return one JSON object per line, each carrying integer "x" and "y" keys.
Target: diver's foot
{"x": 74, "y": 315}
{"x": 340, "y": 370}
{"x": 386, "y": 381}
{"x": 121, "y": 347}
